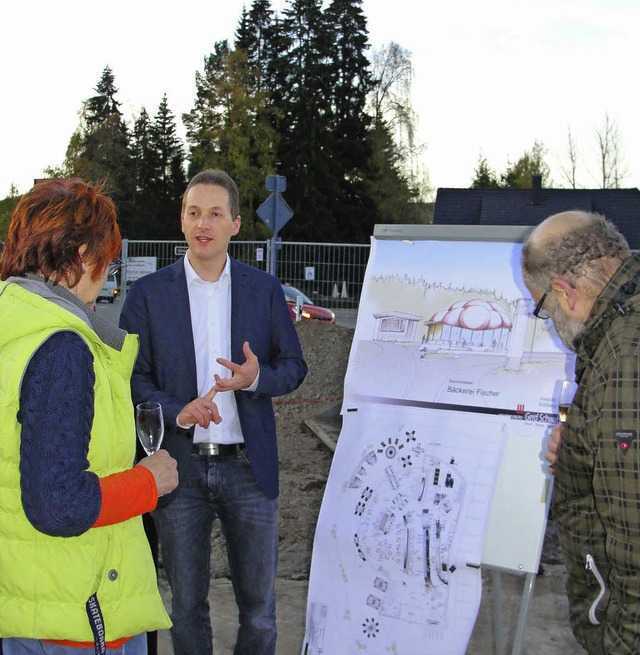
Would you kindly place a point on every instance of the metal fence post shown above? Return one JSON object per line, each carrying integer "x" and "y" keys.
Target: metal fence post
{"x": 273, "y": 260}
{"x": 123, "y": 270}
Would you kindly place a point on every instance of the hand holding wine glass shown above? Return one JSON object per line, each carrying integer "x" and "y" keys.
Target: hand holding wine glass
{"x": 567, "y": 391}
{"x": 149, "y": 426}
{"x": 565, "y": 398}
{"x": 164, "y": 470}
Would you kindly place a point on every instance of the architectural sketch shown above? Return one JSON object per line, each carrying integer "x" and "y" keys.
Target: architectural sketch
{"x": 453, "y": 337}
{"x": 395, "y": 326}
{"x": 474, "y": 324}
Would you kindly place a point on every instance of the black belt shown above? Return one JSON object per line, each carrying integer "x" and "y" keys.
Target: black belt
{"x": 218, "y": 449}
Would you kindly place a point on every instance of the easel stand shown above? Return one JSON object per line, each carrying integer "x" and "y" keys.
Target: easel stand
{"x": 527, "y": 592}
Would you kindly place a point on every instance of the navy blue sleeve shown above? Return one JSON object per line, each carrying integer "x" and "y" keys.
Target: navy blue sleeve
{"x": 60, "y": 496}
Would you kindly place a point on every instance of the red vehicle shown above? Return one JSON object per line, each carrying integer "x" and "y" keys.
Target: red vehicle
{"x": 309, "y": 309}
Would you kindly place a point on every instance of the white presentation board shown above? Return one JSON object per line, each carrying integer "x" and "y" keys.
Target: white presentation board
{"x": 491, "y": 257}
{"x": 449, "y": 395}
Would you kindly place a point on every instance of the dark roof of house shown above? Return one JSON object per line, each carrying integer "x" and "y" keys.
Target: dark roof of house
{"x": 532, "y": 206}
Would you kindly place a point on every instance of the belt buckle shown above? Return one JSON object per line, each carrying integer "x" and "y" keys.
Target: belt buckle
{"x": 209, "y": 449}
{"x": 218, "y": 450}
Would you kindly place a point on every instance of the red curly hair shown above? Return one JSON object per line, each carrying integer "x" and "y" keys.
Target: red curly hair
{"x": 50, "y": 225}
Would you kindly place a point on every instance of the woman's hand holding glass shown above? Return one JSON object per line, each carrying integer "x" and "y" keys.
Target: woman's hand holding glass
{"x": 150, "y": 429}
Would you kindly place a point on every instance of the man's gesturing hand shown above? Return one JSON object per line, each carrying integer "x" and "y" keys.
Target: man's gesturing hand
{"x": 243, "y": 375}
{"x": 201, "y": 411}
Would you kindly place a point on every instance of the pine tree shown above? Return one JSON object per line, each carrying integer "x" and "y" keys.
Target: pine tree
{"x": 291, "y": 98}
{"x": 228, "y": 128}
{"x": 350, "y": 77}
{"x": 520, "y": 174}
{"x": 351, "y": 84}
{"x": 170, "y": 180}
{"x": 254, "y": 35}
{"x": 386, "y": 185}
{"x": 142, "y": 151}
{"x": 7, "y": 206}
{"x": 99, "y": 151}
{"x": 205, "y": 120}
{"x": 104, "y": 105}
{"x": 484, "y": 176}
{"x": 307, "y": 142}
{"x": 145, "y": 166}
{"x": 160, "y": 176}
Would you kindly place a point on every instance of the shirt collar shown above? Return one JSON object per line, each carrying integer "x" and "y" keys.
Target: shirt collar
{"x": 192, "y": 276}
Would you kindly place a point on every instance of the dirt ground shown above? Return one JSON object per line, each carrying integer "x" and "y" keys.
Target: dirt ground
{"x": 304, "y": 466}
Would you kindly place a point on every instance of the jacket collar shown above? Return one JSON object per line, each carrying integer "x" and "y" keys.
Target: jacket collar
{"x": 108, "y": 333}
{"x": 620, "y": 296}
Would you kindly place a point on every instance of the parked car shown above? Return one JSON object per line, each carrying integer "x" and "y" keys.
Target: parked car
{"x": 309, "y": 309}
{"x": 109, "y": 291}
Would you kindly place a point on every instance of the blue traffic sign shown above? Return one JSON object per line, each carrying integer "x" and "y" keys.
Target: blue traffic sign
{"x": 276, "y": 183}
{"x": 274, "y": 212}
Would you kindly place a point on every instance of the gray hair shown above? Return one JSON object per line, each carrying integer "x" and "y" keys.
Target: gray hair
{"x": 590, "y": 248}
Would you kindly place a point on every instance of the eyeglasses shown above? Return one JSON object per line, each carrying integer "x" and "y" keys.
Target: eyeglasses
{"x": 540, "y": 311}
{"x": 114, "y": 266}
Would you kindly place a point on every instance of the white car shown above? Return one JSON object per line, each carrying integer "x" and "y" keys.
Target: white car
{"x": 110, "y": 290}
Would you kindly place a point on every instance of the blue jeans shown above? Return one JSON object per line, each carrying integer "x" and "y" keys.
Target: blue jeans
{"x": 135, "y": 646}
{"x": 222, "y": 488}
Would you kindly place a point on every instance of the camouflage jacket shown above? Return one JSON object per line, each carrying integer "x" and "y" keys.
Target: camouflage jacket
{"x": 597, "y": 480}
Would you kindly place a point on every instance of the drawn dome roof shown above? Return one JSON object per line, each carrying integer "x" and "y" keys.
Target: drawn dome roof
{"x": 474, "y": 315}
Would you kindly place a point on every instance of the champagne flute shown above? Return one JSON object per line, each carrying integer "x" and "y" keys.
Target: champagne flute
{"x": 567, "y": 391}
{"x": 149, "y": 426}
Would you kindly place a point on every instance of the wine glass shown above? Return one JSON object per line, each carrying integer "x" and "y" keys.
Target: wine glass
{"x": 567, "y": 391}
{"x": 149, "y": 426}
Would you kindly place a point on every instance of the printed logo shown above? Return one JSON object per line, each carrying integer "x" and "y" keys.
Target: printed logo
{"x": 624, "y": 439}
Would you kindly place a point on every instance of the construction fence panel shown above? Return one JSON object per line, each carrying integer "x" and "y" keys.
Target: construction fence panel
{"x": 168, "y": 252}
{"x": 331, "y": 274}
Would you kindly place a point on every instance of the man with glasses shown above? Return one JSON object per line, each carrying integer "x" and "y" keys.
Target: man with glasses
{"x": 581, "y": 273}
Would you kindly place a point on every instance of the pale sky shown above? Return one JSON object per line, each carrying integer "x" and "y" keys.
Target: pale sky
{"x": 490, "y": 77}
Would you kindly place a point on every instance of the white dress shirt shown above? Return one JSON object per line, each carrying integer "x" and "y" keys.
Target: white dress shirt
{"x": 210, "y": 304}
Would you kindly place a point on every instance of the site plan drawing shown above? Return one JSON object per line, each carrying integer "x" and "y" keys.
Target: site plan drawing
{"x": 405, "y": 527}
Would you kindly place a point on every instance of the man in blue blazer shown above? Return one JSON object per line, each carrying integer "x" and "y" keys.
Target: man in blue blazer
{"x": 211, "y": 327}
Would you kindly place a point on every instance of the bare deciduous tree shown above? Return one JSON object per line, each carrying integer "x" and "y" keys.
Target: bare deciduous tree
{"x": 569, "y": 172}
{"x": 612, "y": 168}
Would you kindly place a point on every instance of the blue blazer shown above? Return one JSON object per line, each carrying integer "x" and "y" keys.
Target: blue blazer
{"x": 157, "y": 310}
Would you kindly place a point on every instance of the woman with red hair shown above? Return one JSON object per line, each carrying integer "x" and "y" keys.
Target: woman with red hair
{"x": 76, "y": 573}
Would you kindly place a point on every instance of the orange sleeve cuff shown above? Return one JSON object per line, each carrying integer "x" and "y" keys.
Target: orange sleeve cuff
{"x": 117, "y": 643}
{"x": 126, "y": 494}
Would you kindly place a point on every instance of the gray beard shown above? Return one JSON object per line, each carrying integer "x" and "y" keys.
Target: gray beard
{"x": 567, "y": 329}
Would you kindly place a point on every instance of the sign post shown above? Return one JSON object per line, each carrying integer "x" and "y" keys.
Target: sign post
{"x": 275, "y": 213}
